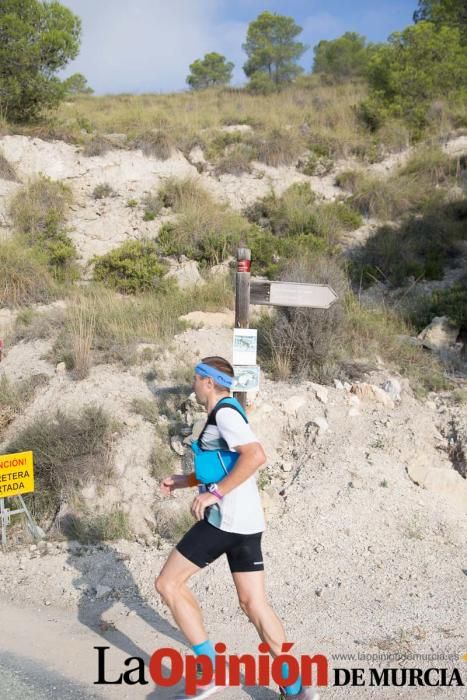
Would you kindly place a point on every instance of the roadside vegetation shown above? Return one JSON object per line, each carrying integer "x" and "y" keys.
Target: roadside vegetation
{"x": 38, "y": 212}
{"x": 69, "y": 452}
{"x": 344, "y": 341}
{"x": 102, "y": 327}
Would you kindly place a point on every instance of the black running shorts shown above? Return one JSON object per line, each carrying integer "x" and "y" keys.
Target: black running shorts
{"x": 204, "y": 543}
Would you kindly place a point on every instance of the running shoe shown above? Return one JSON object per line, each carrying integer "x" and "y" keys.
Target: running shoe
{"x": 304, "y": 694}
{"x": 203, "y": 691}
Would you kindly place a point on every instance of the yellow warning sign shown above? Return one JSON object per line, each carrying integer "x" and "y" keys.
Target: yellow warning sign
{"x": 16, "y": 474}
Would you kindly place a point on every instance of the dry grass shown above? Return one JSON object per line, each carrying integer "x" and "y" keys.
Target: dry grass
{"x": 90, "y": 527}
{"x": 96, "y": 146}
{"x": 158, "y": 143}
{"x": 236, "y": 161}
{"x": 102, "y": 326}
{"x": 32, "y": 324}
{"x": 423, "y": 180}
{"x": 7, "y": 171}
{"x": 305, "y": 342}
{"x": 321, "y": 345}
{"x": 204, "y": 230}
{"x": 181, "y": 118}
{"x": 70, "y": 451}
{"x": 15, "y": 395}
{"x": 82, "y": 325}
{"x": 147, "y": 408}
{"x": 24, "y": 277}
{"x": 40, "y": 208}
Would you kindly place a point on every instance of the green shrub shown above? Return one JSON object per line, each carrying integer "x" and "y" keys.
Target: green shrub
{"x": 261, "y": 84}
{"x": 451, "y": 302}
{"x": 415, "y": 67}
{"x": 432, "y": 164}
{"x": 103, "y": 190}
{"x": 24, "y": 277}
{"x": 316, "y": 165}
{"x": 344, "y": 216}
{"x": 349, "y": 180}
{"x": 174, "y": 523}
{"x": 132, "y": 267}
{"x": 204, "y": 230}
{"x": 132, "y": 203}
{"x": 269, "y": 253}
{"x": 297, "y": 212}
{"x": 393, "y": 136}
{"x": 69, "y": 452}
{"x": 460, "y": 396}
{"x": 39, "y": 209}
{"x": 344, "y": 340}
{"x": 420, "y": 247}
{"x": 378, "y": 333}
{"x": 38, "y": 212}
{"x": 221, "y": 141}
{"x": 389, "y": 198}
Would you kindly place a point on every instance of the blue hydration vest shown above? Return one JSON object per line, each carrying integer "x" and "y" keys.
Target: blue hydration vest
{"x": 212, "y": 466}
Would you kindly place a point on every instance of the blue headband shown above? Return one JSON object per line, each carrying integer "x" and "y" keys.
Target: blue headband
{"x": 219, "y": 377}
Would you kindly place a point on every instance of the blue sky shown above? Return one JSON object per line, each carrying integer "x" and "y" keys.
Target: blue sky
{"x": 147, "y": 45}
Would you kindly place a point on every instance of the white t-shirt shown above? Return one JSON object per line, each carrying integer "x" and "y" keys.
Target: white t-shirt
{"x": 241, "y": 509}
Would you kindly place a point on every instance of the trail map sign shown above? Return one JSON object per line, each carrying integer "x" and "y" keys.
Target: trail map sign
{"x": 244, "y": 346}
{"x": 246, "y": 378}
{"x": 16, "y": 474}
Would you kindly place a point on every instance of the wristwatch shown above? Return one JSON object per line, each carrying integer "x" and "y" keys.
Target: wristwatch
{"x": 212, "y": 488}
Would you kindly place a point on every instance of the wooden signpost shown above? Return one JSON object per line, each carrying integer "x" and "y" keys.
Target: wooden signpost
{"x": 255, "y": 291}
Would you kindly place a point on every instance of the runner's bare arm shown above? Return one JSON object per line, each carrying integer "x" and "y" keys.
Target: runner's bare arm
{"x": 177, "y": 481}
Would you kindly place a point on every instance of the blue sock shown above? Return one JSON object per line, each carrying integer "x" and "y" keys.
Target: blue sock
{"x": 295, "y": 687}
{"x": 205, "y": 648}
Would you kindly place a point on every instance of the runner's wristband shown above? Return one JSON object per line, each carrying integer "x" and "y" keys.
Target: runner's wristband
{"x": 212, "y": 488}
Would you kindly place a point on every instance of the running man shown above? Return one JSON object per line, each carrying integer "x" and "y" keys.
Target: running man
{"x": 230, "y": 521}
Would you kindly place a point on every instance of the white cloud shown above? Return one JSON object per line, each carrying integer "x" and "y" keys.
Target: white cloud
{"x": 148, "y": 45}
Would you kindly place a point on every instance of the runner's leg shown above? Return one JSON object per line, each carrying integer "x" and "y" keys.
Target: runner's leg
{"x": 253, "y": 601}
{"x": 171, "y": 585}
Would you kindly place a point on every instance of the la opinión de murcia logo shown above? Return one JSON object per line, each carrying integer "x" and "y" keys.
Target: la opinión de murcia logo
{"x": 168, "y": 667}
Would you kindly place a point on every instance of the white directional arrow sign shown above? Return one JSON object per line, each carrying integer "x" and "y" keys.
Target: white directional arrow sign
{"x": 317, "y": 296}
